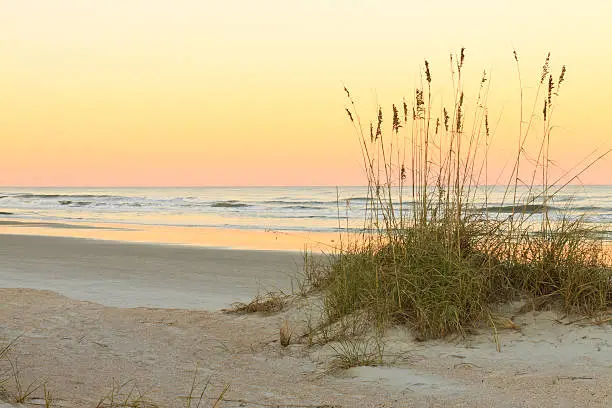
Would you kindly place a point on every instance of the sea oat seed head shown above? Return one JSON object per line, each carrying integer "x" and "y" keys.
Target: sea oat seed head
{"x": 379, "y": 124}
{"x": 396, "y": 120}
{"x": 459, "y": 116}
{"x": 545, "y": 68}
{"x": 420, "y": 104}
{"x": 446, "y": 118}
{"x": 371, "y": 132}
{"x": 551, "y": 86}
{"x": 427, "y": 73}
{"x": 561, "y": 77}
{"x": 350, "y": 115}
{"x": 462, "y": 58}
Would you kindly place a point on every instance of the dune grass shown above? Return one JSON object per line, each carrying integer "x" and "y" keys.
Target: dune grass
{"x": 430, "y": 255}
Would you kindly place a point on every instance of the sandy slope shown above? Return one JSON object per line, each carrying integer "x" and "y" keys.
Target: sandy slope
{"x": 78, "y": 347}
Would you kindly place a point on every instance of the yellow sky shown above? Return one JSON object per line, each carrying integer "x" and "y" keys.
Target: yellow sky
{"x": 137, "y": 92}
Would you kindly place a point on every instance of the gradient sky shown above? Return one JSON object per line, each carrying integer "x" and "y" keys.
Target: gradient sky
{"x": 177, "y": 92}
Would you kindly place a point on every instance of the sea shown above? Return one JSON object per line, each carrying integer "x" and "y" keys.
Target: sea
{"x": 311, "y": 209}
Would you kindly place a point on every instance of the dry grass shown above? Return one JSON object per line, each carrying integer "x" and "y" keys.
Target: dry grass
{"x": 12, "y": 378}
{"x": 125, "y": 395}
{"x": 355, "y": 352}
{"x": 268, "y": 303}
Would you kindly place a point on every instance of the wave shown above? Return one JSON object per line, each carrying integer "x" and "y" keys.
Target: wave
{"x": 540, "y": 208}
{"x": 298, "y": 202}
{"x": 229, "y": 204}
{"x": 341, "y": 202}
{"x": 302, "y": 207}
{"x": 590, "y": 208}
{"x": 75, "y": 203}
{"x": 529, "y": 209}
{"x": 73, "y": 196}
{"x": 319, "y": 217}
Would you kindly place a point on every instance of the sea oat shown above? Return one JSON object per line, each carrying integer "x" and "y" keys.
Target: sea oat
{"x": 396, "y": 120}
{"x": 545, "y": 68}
{"x": 446, "y": 118}
{"x": 350, "y": 115}
{"x": 427, "y": 73}
{"x": 459, "y": 113}
{"x": 371, "y": 132}
{"x": 551, "y": 86}
{"x": 379, "y": 124}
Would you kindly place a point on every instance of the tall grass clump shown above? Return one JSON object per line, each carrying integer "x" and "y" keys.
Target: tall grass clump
{"x": 436, "y": 253}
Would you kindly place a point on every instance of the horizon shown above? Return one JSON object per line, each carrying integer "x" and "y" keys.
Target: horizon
{"x": 159, "y": 93}
{"x": 405, "y": 186}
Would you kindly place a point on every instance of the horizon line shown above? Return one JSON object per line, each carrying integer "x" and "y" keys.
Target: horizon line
{"x": 256, "y": 186}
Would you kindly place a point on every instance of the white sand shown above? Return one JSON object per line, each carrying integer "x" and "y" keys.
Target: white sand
{"x": 78, "y": 347}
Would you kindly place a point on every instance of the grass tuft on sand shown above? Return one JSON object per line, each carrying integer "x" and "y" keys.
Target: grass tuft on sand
{"x": 267, "y": 303}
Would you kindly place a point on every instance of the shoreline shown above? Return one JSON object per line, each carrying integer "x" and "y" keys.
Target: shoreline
{"x": 201, "y": 237}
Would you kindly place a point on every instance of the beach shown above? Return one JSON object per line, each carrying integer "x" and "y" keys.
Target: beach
{"x": 284, "y": 205}
{"x": 89, "y": 312}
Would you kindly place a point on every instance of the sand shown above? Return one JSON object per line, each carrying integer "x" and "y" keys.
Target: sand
{"x": 176, "y": 235}
{"x": 131, "y": 274}
{"x": 85, "y": 330}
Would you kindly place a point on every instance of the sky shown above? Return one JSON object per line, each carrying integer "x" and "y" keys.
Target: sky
{"x": 185, "y": 93}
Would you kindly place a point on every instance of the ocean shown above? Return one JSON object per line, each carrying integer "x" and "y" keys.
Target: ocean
{"x": 311, "y": 209}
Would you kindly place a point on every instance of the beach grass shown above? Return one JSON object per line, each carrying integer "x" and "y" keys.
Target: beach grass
{"x": 430, "y": 256}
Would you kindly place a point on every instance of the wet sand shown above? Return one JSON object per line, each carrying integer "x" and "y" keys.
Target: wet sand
{"x": 125, "y": 274}
{"x": 176, "y": 235}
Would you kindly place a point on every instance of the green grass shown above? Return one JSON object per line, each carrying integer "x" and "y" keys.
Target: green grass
{"x": 429, "y": 257}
